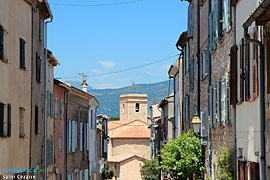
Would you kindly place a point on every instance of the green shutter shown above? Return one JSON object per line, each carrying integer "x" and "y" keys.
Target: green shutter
{"x": 215, "y": 106}
{"x": 60, "y": 144}
{"x": 211, "y": 106}
{"x": 56, "y": 108}
{"x": 227, "y": 121}
{"x": 61, "y": 109}
{"x": 1, "y": 42}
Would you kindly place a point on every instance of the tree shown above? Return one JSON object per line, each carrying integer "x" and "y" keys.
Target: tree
{"x": 225, "y": 164}
{"x": 108, "y": 173}
{"x": 116, "y": 118}
{"x": 182, "y": 157}
{"x": 150, "y": 170}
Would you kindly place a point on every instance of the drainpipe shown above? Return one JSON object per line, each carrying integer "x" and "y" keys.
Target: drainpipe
{"x": 198, "y": 57}
{"x": 45, "y": 101}
{"x": 261, "y": 98}
{"x": 233, "y": 107}
{"x": 209, "y": 102}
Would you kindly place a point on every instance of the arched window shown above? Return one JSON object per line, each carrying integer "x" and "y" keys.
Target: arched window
{"x": 123, "y": 108}
{"x": 137, "y": 107}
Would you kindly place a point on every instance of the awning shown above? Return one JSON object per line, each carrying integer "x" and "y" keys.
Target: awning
{"x": 261, "y": 15}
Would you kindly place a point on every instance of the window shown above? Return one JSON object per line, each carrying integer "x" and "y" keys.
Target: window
{"x": 1, "y": 42}
{"x": 69, "y": 136}
{"x": 204, "y": 64}
{"x": 74, "y": 137}
{"x": 60, "y": 144}
{"x": 93, "y": 119}
{"x": 9, "y": 120}
{"x": 190, "y": 21}
{"x": 2, "y": 123}
{"x": 203, "y": 128}
{"x": 49, "y": 72}
{"x": 22, "y": 53}
{"x": 40, "y": 29}
{"x": 50, "y": 151}
{"x": 36, "y": 119}
{"x": 137, "y": 107}
{"x": 255, "y": 65}
{"x": 187, "y": 57}
{"x": 86, "y": 174}
{"x": 123, "y": 108}
{"x": 81, "y": 136}
{"x": 21, "y": 132}
{"x": 38, "y": 67}
{"x": 191, "y": 73}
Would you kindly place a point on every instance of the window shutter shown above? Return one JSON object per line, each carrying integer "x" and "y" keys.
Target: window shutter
{"x": 51, "y": 105}
{"x": 76, "y": 136}
{"x": 190, "y": 21}
{"x": 1, "y": 119}
{"x": 247, "y": 71}
{"x": 86, "y": 174}
{"x": 61, "y": 109}
{"x": 226, "y": 15}
{"x": 22, "y": 53}
{"x": 56, "y": 108}
{"x": 255, "y": 65}
{"x": 69, "y": 136}
{"x": 201, "y": 66}
{"x": 87, "y": 137}
{"x": 73, "y": 137}
{"x": 191, "y": 76}
{"x": 210, "y": 19}
{"x": 36, "y": 119}
{"x": 187, "y": 57}
{"x": 215, "y": 106}
{"x": 205, "y": 62}
{"x": 218, "y": 103}
{"x": 81, "y": 136}
{"x": 85, "y": 141}
{"x": 226, "y": 101}
{"x": 217, "y": 22}
{"x": 223, "y": 101}
{"x": 242, "y": 70}
{"x": 60, "y": 144}
{"x": 211, "y": 107}
{"x": 9, "y": 120}
{"x": 38, "y": 68}
{"x": 203, "y": 128}
{"x": 233, "y": 75}
{"x": 1, "y": 42}
{"x": 80, "y": 175}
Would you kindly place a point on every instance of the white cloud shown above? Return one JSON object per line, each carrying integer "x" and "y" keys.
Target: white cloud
{"x": 107, "y": 64}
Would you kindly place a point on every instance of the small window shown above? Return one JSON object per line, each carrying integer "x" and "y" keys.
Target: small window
{"x": 60, "y": 144}
{"x": 38, "y": 67}
{"x": 22, "y": 110}
{"x": 2, "y": 120}
{"x": 123, "y": 108}
{"x": 36, "y": 119}
{"x": 1, "y": 42}
{"x": 137, "y": 107}
{"x": 22, "y": 53}
{"x": 61, "y": 109}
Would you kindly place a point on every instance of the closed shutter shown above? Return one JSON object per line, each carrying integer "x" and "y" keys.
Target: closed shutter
{"x": 255, "y": 66}
{"x": 203, "y": 128}
{"x": 201, "y": 66}
{"x": 38, "y": 67}
{"x": 217, "y": 21}
{"x": 9, "y": 120}
{"x": 84, "y": 137}
{"x": 56, "y": 108}
{"x": 226, "y": 9}
{"x": 61, "y": 109}
{"x": 1, "y": 119}
{"x": 87, "y": 136}
{"x": 187, "y": 57}
{"x": 222, "y": 100}
{"x": 190, "y": 21}
{"x": 73, "y": 137}
{"x": 36, "y": 119}
{"x": 81, "y": 136}
{"x": 218, "y": 103}
{"x": 1, "y": 42}
{"x": 191, "y": 75}
{"x": 254, "y": 171}
{"x": 215, "y": 106}
{"x": 69, "y": 136}
{"x": 268, "y": 64}
{"x": 242, "y": 75}
{"x": 86, "y": 174}
{"x": 233, "y": 75}
{"x": 60, "y": 144}
{"x": 210, "y": 20}
{"x": 22, "y": 53}
{"x": 247, "y": 71}
{"x": 80, "y": 175}
{"x": 205, "y": 56}
{"x": 211, "y": 106}
{"x": 76, "y": 136}
{"x": 226, "y": 101}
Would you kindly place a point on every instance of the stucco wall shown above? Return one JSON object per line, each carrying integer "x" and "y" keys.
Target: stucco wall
{"x": 126, "y": 166}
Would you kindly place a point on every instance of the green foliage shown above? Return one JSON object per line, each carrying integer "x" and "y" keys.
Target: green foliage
{"x": 182, "y": 157}
{"x": 116, "y": 118}
{"x": 108, "y": 173}
{"x": 225, "y": 164}
{"x": 150, "y": 170}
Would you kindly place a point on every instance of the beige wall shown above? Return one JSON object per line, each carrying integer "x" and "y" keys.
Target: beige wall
{"x": 128, "y": 107}
{"x": 130, "y": 169}
{"x": 15, "y": 89}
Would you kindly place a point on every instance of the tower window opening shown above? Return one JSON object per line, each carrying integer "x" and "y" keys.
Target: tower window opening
{"x": 137, "y": 107}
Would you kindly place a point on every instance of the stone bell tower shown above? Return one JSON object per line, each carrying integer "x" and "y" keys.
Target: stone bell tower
{"x": 133, "y": 107}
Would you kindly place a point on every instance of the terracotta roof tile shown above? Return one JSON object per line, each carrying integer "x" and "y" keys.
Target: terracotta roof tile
{"x": 116, "y": 124}
{"x": 134, "y": 132}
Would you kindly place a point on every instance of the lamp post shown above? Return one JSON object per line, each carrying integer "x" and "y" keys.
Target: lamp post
{"x": 196, "y": 123}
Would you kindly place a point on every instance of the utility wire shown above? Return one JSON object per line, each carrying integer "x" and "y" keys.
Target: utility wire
{"x": 97, "y": 5}
{"x": 124, "y": 70}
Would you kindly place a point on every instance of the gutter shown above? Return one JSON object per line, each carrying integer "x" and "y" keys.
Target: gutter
{"x": 45, "y": 99}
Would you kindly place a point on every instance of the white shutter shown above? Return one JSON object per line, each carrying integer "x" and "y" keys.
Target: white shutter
{"x": 226, "y": 101}
{"x": 211, "y": 107}
{"x": 214, "y": 106}
{"x": 203, "y": 127}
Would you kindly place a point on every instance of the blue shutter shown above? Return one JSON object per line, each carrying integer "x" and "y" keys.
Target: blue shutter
{"x": 87, "y": 137}
{"x": 69, "y": 136}
{"x": 226, "y": 101}
{"x": 211, "y": 106}
{"x": 218, "y": 103}
{"x": 81, "y": 132}
{"x": 203, "y": 128}
{"x": 225, "y": 15}
{"x": 214, "y": 106}
{"x": 201, "y": 66}
{"x": 86, "y": 176}
{"x": 206, "y": 62}
{"x": 61, "y": 109}
{"x": 73, "y": 137}
{"x": 190, "y": 21}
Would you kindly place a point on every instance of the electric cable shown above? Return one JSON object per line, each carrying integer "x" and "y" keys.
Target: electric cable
{"x": 97, "y": 5}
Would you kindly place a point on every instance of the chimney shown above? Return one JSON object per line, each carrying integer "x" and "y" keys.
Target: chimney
{"x": 84, "y": 84}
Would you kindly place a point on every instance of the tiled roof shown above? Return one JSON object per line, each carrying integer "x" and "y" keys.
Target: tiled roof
{"x": 121, "y": 158}
{"x": 116, "y": 124}
{"x": 134, "y": 132}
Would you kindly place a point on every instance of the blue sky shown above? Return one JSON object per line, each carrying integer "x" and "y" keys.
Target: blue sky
{"x": 96, "y": 40}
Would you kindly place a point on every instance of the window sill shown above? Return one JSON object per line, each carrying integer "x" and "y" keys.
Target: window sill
{"x": 4, "y": 61}
{"x": 23, "y": 68}
{"x": 22, "y": 136}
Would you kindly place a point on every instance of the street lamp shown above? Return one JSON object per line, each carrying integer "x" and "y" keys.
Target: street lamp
{"x": 196, "y": 123}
